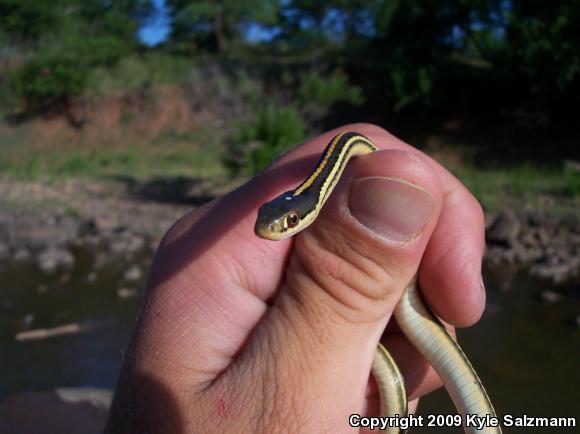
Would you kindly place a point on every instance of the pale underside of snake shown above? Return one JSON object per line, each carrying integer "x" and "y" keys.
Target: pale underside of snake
{"x": 294, "y": 210}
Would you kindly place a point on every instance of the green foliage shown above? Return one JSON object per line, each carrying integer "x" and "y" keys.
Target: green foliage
{"x": 216, "y": 26}
{"x": 69, "y": 38}
{"x": 51, "y": 79}
{"x": 45, "y": 82}
{"x": 543, "y": 43}
{"x": 524, "y": 183}
{"x": 318, "y": 93}
{"x": 492, "y": 60}
{"x": 273, "y": 131}
{"x": 25, "y": 20}
{"x": 409, "y": 87}
{"x": 21, "y": 160}
{"x": 136, "y": 72}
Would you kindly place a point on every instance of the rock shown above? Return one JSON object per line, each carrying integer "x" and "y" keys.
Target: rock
{"x": 27, "y": 320}
{"x": 544, "y": 237}
{"x": 125, "y": 293}
{"x": 22, "y": 254}
{"x": 557, "y": 273}
{"x": 4, "y": 238}
{"x": 64, "y": 278}
{"x": 550, "y": 296}
{"x": 127, "y": 244}
{"x": 578, "y": 321}
{"x": 493, "y": 254}
{"x": 117, "y": 247}
{"x": 135, "y": 243}
{"x": 4, "y": 251}
{"x": 34, "y": 232}
{"x": 91, "y": 241}
{"x": 536, "y": 218}
{"x": 100, "y": 261}
{"x": 153, "y": 245}
{"x": 108, "y": 222}
{"x": 569, "y": 222}
{"x": 91, "y": 277}
{"x": 133, "y": 274}
{"x": 504, "y": 229}
{"x": 55, "y": 257}
{"x": 88, "y": 227}
{"x": 528, "y": 238}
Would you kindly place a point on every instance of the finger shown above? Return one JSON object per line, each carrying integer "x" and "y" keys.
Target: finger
{"x": 345, "y": 276}
{"x": 450, "y": 275}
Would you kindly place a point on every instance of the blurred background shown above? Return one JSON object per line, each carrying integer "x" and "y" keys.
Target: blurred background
{"x": 117, "y": 117}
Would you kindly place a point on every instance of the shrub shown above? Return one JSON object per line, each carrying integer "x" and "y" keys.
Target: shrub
{"x": 273, "y": 131}
{"x": 317, "y": 93}
{"x": 48, "y": 81}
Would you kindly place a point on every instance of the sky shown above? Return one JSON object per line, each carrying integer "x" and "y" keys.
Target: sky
{"x": 156, "y": 30}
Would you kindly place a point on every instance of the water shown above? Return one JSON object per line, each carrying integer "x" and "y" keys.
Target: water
{"x": 526, "y": 350}
{"x": 86, "y": 359}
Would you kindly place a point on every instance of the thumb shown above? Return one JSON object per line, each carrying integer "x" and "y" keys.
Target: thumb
{"x": 346, "y": 273}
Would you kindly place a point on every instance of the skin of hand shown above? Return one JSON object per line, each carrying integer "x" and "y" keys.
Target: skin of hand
{"x": 241, "y": 334}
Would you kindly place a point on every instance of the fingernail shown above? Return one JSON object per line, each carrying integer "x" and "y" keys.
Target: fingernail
{"x": 391, "y": 208}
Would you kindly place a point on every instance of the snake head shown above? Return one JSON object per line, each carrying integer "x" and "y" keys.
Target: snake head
{"x": 278, "y": 218}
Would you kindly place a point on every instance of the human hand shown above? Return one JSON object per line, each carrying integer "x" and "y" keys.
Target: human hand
{"x": 240, "y": 334}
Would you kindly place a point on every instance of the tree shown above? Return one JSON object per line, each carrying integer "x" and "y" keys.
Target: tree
{"x": 60, "y": 41}
{"x": 543, "y": 48}
{"x": 25, "y": 21}
{"x": 214, "y": 24}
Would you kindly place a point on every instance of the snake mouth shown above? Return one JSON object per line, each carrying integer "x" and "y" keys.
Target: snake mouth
{"x": 271, "y": 231}
{"x": 266, "y": 231}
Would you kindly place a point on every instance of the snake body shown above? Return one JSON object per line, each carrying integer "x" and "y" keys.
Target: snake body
{"x": 294, "y": 210}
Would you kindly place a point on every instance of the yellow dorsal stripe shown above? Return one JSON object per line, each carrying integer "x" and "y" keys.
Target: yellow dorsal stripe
{"x": 346, "y": 153}
{"x": 321, "y": 166}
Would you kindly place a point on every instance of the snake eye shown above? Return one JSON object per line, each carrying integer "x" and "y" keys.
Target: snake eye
{"x": 292, "y": 219}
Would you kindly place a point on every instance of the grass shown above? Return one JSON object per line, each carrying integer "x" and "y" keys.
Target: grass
{"x": 496, "y": 189}
{"x": 199, "y": 154}
{"x": 523, "y": 185}
{"x": 138, "y": 160}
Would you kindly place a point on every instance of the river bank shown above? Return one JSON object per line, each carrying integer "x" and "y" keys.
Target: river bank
{"x": 118, "y": 220}
{"x": 48, "y": 222}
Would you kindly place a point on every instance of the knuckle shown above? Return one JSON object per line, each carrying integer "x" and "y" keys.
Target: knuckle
{"x": 369, "y": 128}
{"x": 346, "y": 272}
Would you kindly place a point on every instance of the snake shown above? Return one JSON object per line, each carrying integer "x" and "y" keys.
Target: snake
{"x": 294, "y": 210}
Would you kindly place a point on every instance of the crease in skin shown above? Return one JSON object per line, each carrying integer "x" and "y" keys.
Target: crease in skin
{"x": 280, "y": 368}
{"x": 304, "y": 278}
{"x": 462, "y": 270}
{"x": 281, "y": 218}
{"x": 351, "y": 304}
{"x": 341, "y": 268}
{"x": 348, "y": 248}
